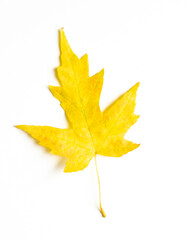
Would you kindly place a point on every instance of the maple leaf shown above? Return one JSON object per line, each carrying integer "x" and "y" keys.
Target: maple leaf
{"x": 90, "y": 131}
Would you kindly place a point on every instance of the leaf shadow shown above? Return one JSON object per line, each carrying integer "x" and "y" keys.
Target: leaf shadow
{"x": 61, "y": 160}
{"x": 61, "y": 163}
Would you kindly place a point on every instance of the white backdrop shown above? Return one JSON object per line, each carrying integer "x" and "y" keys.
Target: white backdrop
{"x": 146, "y": 194}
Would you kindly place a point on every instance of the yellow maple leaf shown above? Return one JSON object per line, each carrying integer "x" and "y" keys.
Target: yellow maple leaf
{"x": 90, "y": 131}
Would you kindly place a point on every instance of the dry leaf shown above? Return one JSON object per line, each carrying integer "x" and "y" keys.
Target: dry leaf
{"x": 90, "y": 131}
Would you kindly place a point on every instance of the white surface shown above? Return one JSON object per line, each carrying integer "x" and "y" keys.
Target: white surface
{"x": 147, "y": 194}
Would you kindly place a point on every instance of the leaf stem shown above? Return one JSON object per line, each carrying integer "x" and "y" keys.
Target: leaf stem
{"x": 101, "y": 209}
